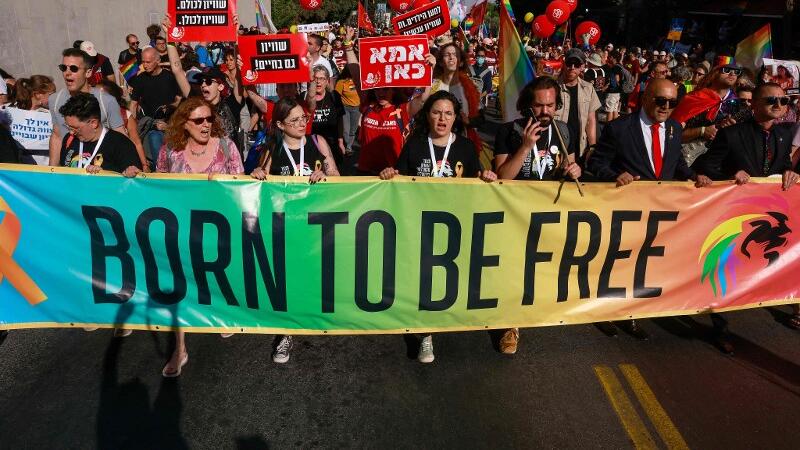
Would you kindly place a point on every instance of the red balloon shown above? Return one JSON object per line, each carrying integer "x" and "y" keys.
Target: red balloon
{"x": 572, "y": 4}
{"x": 310, "y": 5}
{"x": 401, "y": 5}
{"x": 542, "y": 27}
{"x": 558, "y": 12}
{"x": 590, "y": 28}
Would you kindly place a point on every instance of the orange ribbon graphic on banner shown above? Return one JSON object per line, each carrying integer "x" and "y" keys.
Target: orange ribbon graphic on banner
{"x": 10, "y": 228}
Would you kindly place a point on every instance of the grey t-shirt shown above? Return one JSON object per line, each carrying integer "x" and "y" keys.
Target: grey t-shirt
{"x": 109, "y": 109}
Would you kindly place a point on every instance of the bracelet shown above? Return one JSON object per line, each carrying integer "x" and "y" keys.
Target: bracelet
{"x": 702, "y": 131}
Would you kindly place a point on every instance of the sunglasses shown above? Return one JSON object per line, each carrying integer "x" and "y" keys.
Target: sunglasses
{"x": 772, "y": 100}
{"x": 72, "y": 68}
{"x": 661, "y": 102}
{"x": 134, "y": 43}
{"x": 727, "y": 70}
{"x": 573, "y": 64}
{"x": 208, "y": 81}
{"x": 698, "y": 73}
{"x": 201, "y": 120}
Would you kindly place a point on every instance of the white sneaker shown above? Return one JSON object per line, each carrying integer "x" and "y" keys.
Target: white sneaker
{"x": 426, "y": 350}
{"x": 283, "y": 350}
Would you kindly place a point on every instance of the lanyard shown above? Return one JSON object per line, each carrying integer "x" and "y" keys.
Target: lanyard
{"x": 437, "y": 171}
{"x": 96, "y": 148}
{"x": 298, "y": 171}
{"x": 540, "y": 165}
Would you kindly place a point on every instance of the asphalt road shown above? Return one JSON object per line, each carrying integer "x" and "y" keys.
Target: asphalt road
{"x": 73, "y": 389}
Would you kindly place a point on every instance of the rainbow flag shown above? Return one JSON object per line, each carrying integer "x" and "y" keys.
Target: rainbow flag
{"x": 752, "y": 50}
{"x": 515, "y": 68}
{"x": 129, "y": 70}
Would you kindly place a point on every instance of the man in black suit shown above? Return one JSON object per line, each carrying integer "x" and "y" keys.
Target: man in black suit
{"x": 754, "y": 148}
{"x": 625, "y": 151}
{"x": 643, "y": 146}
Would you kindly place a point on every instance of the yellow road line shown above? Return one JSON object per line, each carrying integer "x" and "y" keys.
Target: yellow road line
{"x": 627, "y": 414}
{"x": 658, "y": 417}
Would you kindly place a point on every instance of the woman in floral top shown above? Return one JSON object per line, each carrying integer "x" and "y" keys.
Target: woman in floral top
{"x": 194, "y": 143}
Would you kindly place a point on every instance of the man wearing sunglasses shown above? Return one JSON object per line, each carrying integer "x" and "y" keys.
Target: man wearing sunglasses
{"x": 76, "y": 67}
{"x": 643, "y": 146}
{"x": 754, "y": 148}
{"x": 133, "y": 51}
{"x": 705, "y": 111}
{"x": 580, "y": 103}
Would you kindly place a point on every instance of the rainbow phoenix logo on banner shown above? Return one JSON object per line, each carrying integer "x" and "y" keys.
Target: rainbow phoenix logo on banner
{"x": 726, "y": 248}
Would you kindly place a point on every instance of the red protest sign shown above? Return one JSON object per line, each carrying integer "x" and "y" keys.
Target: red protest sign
{"x": 202, "y": 20}
{"x": 274, "y": 58}
{"x": 397, "y": 61}
{"x": 432, "y": 19}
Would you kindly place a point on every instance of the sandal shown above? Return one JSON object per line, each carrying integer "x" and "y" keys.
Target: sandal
{"x": 176, "y": 373}
{"x": 794, "y": 321}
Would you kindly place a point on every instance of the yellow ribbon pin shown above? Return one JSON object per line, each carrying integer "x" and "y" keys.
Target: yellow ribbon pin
{"x": 10, "y": 228}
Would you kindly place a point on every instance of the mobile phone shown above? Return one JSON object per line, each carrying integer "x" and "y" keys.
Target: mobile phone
{"x": 528, "y": 112}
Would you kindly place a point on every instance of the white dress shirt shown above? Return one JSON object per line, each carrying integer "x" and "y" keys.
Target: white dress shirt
{"x": 646, "y": 123}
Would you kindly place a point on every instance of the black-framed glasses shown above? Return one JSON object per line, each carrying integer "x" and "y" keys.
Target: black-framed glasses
{"x": 661, "y": 102}
{"x": 72, "y": 68}
{"x": 774, "y": 100}
{"x": 733, "y": 70}
{"x": 208, "y": 81}
{"x": 201, "y": 120}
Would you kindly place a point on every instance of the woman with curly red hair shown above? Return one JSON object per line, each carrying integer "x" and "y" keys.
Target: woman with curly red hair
{"x": 194, "y": 143}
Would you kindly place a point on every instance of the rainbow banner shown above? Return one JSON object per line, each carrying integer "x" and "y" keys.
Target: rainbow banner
{"x": 515, "y": 67}
{"x": 360, "y": 255}
{"x": 752, "y": 50}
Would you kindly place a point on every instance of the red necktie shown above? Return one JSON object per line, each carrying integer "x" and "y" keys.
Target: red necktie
{"x": 654, "y": 129}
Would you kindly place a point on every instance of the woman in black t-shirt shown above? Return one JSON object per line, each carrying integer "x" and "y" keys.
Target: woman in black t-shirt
{"x": 435, "y": 147}
{"x": 435, "y": 150}
{"x": 291, "y": 152}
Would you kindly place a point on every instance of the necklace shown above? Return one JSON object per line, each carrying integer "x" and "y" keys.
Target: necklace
{"x": 205, "y": 148}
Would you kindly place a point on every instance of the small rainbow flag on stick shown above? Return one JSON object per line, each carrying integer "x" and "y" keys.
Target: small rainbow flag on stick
{"x": 516, "y": 69}
{"x": 751, "y": 51}
{"x": 129, "y": 69}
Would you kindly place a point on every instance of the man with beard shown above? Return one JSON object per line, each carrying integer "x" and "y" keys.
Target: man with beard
{"x": 643, "y": 146}
{"x": 529, "y": 149}
{"x": 76, "y": 67}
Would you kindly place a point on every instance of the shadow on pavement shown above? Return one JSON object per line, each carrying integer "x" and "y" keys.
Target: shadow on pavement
{"x": 124, "y": 416}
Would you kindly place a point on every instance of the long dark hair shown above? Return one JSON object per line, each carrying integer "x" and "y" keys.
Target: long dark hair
{"x": 275, "y": 137}
{"x": 439, "y": 69}
{"x": 421, "y": 125}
